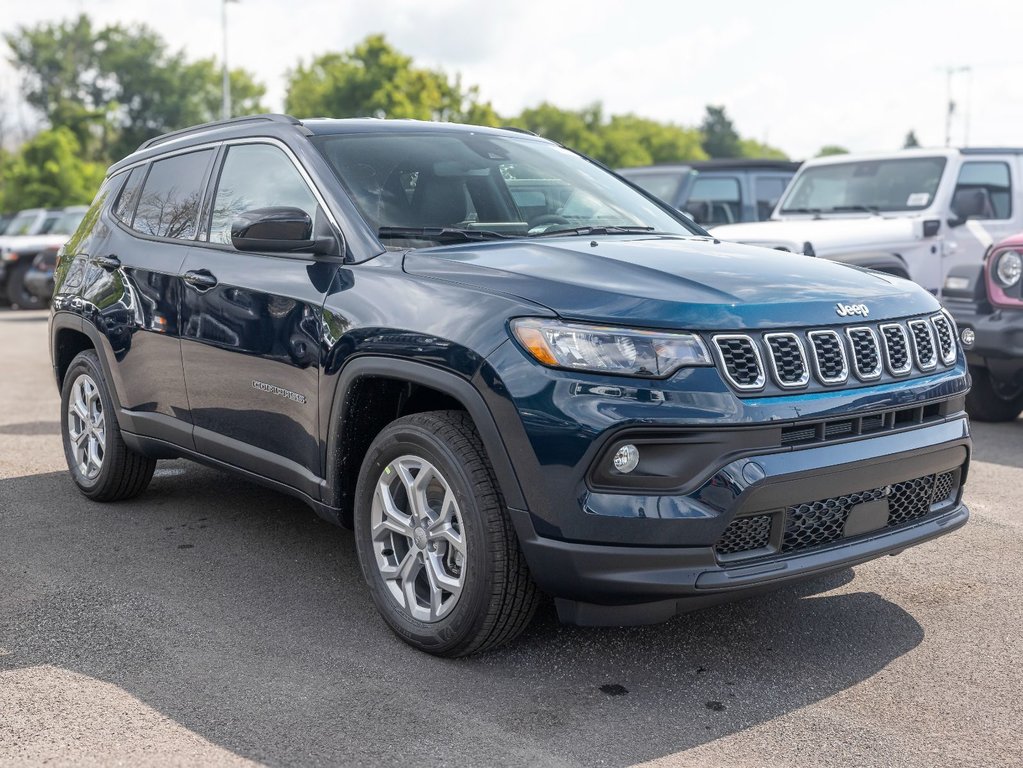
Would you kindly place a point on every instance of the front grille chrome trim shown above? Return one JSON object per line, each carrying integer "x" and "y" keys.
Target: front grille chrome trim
{"x": 892, "y": 369}
{"x": 931, "y": 363}
{"x": 771, "y": 356}
{"x": 719, "y": 354}
{"x": 832, "y": 380}
{"x": 875, "y": 372}
{"x": 938, "y": 321}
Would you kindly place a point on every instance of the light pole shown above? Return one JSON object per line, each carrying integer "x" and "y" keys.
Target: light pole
{"x": 951, "y": 108}
{"x": 225, "y": 107}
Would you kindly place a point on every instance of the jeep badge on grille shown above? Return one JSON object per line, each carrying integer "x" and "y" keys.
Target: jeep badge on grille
{"x": 847, "y": 310}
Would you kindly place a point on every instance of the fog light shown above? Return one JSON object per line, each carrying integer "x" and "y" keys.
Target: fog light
{"x": 626, "y": 458}
{"x": 968, "y": 337}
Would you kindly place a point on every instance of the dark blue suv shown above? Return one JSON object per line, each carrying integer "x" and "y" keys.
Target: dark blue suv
{"x": 513, "y": 373}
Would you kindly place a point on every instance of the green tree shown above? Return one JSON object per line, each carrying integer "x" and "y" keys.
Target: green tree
{"x": 832, "y": 149}
{"x": 579, "y": 130}
{"x": 116, "y": 86}
{"x": 630, "y": 140}
{"x": 49, "y": 171}
{"x": 59, "y": 64}
{"x": 376, "y": 80}
{"x": 720, "y": 138}
{"x": 910, "y": 141}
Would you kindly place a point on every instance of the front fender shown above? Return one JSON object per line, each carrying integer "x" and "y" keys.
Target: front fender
{"x": 450, "y": 384}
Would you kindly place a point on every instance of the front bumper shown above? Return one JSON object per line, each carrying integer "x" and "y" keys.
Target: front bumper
{"x": 623, "y": 586}
{"x": 611, "y": 584}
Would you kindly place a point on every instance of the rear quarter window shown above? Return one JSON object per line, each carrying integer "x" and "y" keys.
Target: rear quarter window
{"x": 124, "y": 208}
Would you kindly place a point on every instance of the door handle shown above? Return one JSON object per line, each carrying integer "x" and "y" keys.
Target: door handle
{"x": 200, "y": 279}
{"x": 109, "y": 263}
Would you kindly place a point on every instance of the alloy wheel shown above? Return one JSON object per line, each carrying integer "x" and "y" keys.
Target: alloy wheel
{"x": 87, "y": 427}
{"x": 418, "y": 538}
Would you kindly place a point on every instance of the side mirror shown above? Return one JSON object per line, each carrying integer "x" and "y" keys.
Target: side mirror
{"x": 278, "y": 230}
{"x": 955, "y": 220}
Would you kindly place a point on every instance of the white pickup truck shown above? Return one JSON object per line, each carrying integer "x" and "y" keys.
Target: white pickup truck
{"x": 914, "y": 213}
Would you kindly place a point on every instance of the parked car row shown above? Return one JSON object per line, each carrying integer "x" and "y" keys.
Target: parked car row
{"x": 28, "y": 253}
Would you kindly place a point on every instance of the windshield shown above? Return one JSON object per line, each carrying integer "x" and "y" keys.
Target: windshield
{"x": 661, "y": 184}
{"x": 68, "y": 223}
{"x": 22, "y": 223}
{"x": 904, "y": 184}
{"x": 413, "y": 185}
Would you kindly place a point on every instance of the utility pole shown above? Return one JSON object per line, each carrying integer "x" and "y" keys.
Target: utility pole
{"x": 951, "y": 108}
{"x": 225, "y": 108}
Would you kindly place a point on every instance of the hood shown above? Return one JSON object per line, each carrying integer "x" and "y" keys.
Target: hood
{"x": 672, "y": 282}
{"x": 828, "y": 235}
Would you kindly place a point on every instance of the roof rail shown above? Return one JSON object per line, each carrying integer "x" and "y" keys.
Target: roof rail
{"x": 269, "y": 117}
{"x": 518, "y": 130}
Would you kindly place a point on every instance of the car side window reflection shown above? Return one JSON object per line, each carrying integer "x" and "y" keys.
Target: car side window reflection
{"x": 169, "y": 203}
{"x": 256, "y": 176}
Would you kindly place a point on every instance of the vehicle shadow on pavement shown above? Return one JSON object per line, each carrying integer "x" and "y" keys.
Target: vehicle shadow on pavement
{"x": 237, "y": 613}
{"x": 998, "y": 443}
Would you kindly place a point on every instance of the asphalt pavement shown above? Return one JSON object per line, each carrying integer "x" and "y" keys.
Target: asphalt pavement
{"x": 213, "y": 622}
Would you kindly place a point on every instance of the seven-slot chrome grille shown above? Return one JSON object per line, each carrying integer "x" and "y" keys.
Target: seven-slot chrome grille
{"x": 830, "y": 357}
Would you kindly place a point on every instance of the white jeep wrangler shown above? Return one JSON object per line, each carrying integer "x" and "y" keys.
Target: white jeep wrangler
{"x": 914, "y": 213}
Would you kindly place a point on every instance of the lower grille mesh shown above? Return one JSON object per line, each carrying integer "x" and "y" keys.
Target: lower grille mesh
{"x": 744, "y": 534}
{"x": 814, "y": 523}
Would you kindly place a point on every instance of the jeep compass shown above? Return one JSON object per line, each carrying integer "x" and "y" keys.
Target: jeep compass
{"x": 511, "y": 371}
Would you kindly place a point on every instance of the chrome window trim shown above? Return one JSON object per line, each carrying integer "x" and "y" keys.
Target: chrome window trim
{"x": 841, "y": 378}
{"x": 802, "y": 356}
{"x": 761, "y": 377}
{"x": 887, "y": 352}
{"x": 320, "y": 199}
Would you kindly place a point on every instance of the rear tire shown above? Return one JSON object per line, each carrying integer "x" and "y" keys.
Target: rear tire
{"x": 438, "y": 551}
{"x": 17, "y": 294}
{"x": 991, "y": 400}
{"x": 101, "y": 465}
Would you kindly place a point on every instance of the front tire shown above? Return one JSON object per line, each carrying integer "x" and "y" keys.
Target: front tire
{"x": 991, "y": 400}
{"x": 436, "y": 546}
{"x": 101, "y": 465}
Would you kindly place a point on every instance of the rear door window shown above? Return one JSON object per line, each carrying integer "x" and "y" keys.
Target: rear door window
{"x": 169, "y": 203}
{"x": 715, "y": 200}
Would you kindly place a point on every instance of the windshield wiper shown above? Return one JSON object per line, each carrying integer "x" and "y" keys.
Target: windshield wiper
{"x": 440, "y": 234}
{"x": 865, "y": 208}
{"x": 601, "y": 230}
{"x": 816, "y": 211}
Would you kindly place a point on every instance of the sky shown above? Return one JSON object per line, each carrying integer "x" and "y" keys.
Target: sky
{"x": 795, "y": 74}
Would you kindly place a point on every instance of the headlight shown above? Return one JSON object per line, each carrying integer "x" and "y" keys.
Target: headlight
{"x": 604, "y": 349}
{"x": 1008, "y": 268}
